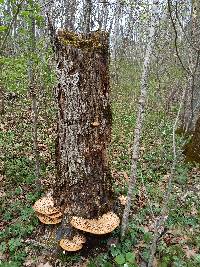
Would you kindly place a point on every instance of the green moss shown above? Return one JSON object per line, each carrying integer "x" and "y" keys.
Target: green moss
{"x": 94, "y": 40}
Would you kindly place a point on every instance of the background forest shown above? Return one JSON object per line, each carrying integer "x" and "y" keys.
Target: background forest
{"x": 163, "y": 228}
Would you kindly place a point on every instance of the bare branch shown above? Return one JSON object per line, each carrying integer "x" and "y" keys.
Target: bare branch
{"x": 180, "y": 24}
{"x": 140, "y": 116}
{"x": 10, "y": 26}
{"x": 176, "y": 38}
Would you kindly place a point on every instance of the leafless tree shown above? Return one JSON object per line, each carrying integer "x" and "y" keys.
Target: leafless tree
{"x": 140, "y": 116}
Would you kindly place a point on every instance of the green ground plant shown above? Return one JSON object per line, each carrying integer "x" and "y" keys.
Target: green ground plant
{"x": 180, "y": 243}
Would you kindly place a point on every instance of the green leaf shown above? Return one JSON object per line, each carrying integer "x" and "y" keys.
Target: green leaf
{"x": 3, "y": 28}
{"x": 3, "y": 247}
{"x": 91, "y": 264}
{"x": 130, "y": 257}
{"x": 25, "y": 13}
{"x": 197, "y": 258}
{"x": 107, "y": 264}
{"x": 147, "y": 237}
{"x": 114, "y": 251}
{"x": 120, "y": 259}
{"x": 1, "y": 1}
{"x": 14, "y": 243}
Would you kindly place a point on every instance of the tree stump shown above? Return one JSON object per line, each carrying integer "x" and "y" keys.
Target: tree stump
{"x": 83, "y": 185}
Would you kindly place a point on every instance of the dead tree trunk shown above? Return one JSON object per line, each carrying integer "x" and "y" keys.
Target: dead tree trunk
{"x": 192, "y": 149}
{"x": 83, "y": 182}
{"x": 192, "y": 97}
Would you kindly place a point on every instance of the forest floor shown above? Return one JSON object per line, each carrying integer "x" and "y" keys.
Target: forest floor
{"x": 178, "y": 245}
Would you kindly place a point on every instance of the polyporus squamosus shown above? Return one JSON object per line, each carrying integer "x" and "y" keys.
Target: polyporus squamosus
{"x": 47, "y": 219}
{"x": 103, "y": 225}
{"x": 46, "y": 212}
{"x": 73, "y": 245}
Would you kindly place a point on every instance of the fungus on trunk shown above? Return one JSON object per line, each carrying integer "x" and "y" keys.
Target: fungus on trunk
{"x": 101, "y": 226}
{"x": 73, "y": 245}
{"x": 46, "y": 212}
{"x": 48, "y": 219}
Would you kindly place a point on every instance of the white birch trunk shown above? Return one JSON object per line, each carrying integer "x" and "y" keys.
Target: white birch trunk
{"x": 32, "y": 91}
{"x": 140, "y": 116}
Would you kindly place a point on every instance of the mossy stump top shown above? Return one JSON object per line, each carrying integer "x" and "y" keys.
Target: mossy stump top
{"x": 89, "y": 41}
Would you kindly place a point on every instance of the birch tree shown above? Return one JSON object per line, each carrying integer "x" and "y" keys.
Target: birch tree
{"x": 33, "y": 91}
{"x": 140, "y": 116}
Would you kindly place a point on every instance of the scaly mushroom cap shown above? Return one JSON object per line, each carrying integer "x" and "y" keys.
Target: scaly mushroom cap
{"x": 105, "y": 224}
{"x": 73, "y": 245}
{"x": 79, "y": 239}
{"x": 57, "y": 215}
{"x": 45, "y": 206}
{"x": 48, "y": 220}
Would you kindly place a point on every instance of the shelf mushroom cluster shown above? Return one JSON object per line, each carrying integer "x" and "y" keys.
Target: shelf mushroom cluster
{"x": 47, "y": 213}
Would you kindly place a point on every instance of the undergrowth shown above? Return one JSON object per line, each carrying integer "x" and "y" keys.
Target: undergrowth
{"x": 179, "y": 243}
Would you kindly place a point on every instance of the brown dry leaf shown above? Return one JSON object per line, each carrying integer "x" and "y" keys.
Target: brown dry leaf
{"x": 47, "y": 264}
{"x": 123, "y": 200}
{"x": 189, "y": 252}
{"x": 42, "y": 146}
{"x": 85, "y": 263}
{"x": 31, "y": 157}
{"x": 95, "y": 124}
{"x": 3, "y": 128}
{"x": 155, "y": 262}
{"x": 140, "y": 244}
{"x": 142, "y": 148}
{"x": 166, "y": 177}
{"x": 146, "y": 228}
{"x": 194, "y": 211}
{"x": 2, "y": 193}
{"x": 28, "y": 262}
{"x": 2, "y": 256}
{"x": 126, "y": 177}
{"x": 1, "y": 177}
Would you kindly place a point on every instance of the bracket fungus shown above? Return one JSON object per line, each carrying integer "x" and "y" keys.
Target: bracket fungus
{"x": 46, "y": 212}
{"x": 103, "y": 225}
{"x": 47, "y": 219}
{"x": 73, "y": 245}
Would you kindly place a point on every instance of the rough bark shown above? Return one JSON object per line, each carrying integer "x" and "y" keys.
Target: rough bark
{"x": 192, "y": 149}
{"x": 192, "y": 100}
{"x": 70, "y": 12}
{"x": 87, "y": 16}
{"x": 83, "y": 182}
